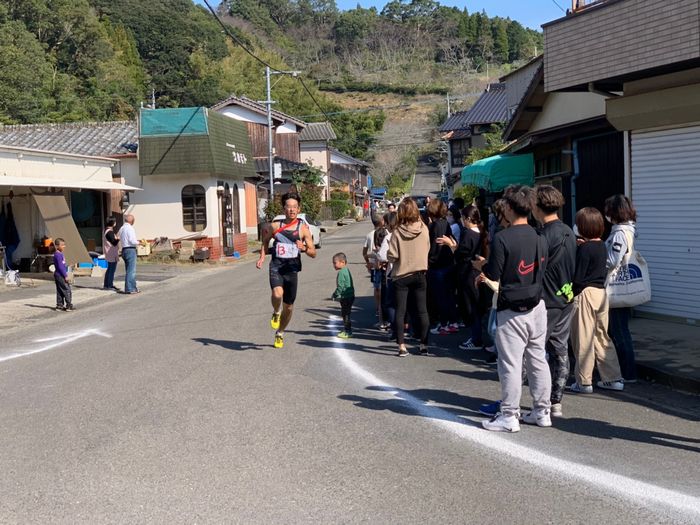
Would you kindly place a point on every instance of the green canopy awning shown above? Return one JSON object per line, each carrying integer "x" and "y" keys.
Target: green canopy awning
{"x": 496, "y": 173}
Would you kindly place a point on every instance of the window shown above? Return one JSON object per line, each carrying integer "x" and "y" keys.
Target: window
{"x": 236, "y": 210}
{"x": 194, "y": 208}
{"x": 460, "y": 149}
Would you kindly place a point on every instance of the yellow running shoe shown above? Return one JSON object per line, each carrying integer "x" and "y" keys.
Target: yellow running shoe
{"x": 275, "y": 321}
{"x": 279, "y": 340}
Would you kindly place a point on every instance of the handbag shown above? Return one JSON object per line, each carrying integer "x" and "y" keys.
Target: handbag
{"x": 629, "y": 284}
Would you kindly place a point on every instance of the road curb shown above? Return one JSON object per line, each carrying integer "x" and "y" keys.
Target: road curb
{"x": 683, "y": 383}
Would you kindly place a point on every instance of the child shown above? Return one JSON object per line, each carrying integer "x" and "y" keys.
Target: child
{"x": 344, "y": 292}
{"x": 379, "y": 276}
{"x": 63, "y": 292}
{"x": 589, "y": 335}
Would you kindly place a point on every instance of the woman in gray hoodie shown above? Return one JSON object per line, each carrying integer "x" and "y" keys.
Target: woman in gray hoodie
{"x": 620, "y": 212}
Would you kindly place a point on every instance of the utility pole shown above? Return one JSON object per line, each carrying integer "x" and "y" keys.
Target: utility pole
{"x": 449, "y": 112}
{"x": 153, "y": 98}
{"x": 268, "y": 103}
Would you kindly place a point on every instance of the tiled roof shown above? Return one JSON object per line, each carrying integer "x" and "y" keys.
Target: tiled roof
{"x": 261, "y": 165}
{"x": 491, "y": 107}
{"x": 257, "y": 107}
{"x": 350, "y": 159}
{"x": 100, "y": 139}
{"x": 316, "y": 131}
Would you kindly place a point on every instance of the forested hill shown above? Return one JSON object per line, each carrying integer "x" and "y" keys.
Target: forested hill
{"x": 72, "y": 60}
{"x": 416, "y": 42}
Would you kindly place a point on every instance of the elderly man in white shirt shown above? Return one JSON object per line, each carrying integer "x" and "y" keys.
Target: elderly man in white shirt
{"x": 127, "y": 237}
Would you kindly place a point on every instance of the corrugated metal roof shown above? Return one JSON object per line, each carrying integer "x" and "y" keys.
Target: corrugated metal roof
{"x": 316, "y": 131}
{"x": 491, "y": 107}
{"x": 457, "y": 120}
{"x": 257, "y": 107}
{"x": 102, "y": 139}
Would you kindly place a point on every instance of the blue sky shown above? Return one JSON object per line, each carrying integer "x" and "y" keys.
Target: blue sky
{"x": 531, "y": 13}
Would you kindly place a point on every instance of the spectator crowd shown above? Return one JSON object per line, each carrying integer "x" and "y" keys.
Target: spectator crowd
{"x": 526, "y": 287}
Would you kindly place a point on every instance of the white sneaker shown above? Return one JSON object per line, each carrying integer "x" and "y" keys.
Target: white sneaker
{"x": 581, "y": 389}
{"x": 537, "y": 417}
{"x": 501, "y": 423}
{"x": 556, "y": 410}
{"x": 611, "y": 385}
{"x": 436, "y": 330}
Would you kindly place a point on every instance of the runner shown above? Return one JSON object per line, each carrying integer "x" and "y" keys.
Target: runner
{"x": 292, "y": 237}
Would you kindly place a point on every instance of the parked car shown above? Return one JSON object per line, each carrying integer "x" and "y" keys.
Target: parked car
{"x": 314, "y": 227}
{"x": 421, "y": 201}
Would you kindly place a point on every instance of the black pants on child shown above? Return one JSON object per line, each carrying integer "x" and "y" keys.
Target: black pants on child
{"x": 64, "y": 297}
{"x": 345, "y": 308}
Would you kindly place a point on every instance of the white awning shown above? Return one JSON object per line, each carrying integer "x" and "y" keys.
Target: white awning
{"x": 56, "y": 183}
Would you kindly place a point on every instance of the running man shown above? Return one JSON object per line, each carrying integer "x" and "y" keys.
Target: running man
{"x": 292, "y": 237}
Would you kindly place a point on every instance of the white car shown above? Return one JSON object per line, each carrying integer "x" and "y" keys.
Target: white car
{"x": 314, "y": 227}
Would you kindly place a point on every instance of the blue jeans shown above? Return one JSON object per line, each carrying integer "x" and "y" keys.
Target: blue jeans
{"x": 109, "y": 275}
{"x": 129, "y": 256}
{"x": 618, "y": 329}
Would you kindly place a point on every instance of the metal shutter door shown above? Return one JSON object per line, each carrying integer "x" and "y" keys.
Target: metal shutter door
{"x": 666, "y": 192}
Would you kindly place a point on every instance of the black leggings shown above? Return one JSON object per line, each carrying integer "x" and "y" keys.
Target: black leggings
{"x": 412, "y": 287}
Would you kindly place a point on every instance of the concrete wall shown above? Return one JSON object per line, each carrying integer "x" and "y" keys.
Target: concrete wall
{"x": 565, "y": 108}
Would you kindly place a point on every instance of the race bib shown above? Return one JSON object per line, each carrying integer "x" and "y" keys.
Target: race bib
{"x": 285, "y": 250}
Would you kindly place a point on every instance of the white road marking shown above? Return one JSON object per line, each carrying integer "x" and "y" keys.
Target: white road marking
{"x": 53, "y": 342}
{"x": 641, "y": 493}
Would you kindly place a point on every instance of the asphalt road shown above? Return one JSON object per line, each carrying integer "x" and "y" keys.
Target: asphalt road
{"x": 173, "y": 407}
{"x": 427, "y": 179}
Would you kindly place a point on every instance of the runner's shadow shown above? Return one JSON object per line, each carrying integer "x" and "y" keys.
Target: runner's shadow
{"x": 605, "y": 430}
{"x": 342, "y": 343}
{"x": 454, "y": 406}
{"x": 229, "y": 345}
{"x": 41, "y": 306}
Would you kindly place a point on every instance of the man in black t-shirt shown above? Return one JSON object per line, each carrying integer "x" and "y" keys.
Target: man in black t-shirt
{"x": 518, "y": 261}
{"x": 557, "y": 286}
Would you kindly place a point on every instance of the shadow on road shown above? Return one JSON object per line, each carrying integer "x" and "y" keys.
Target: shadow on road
{"x": 43, "y": 306}
{"x": 458, "y": 406}
{"x": 605, "y": 430}
{"x": 229, "y": 345}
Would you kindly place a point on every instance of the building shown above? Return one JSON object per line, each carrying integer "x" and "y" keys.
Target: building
{"x": 64, "y": 179}
{"x": 314, "y": 143}
{"x": 574, "y": 146}
{"x": 193, "y": 163}
{"x": 465, "y": 130}
{"x": 643, "y": 58}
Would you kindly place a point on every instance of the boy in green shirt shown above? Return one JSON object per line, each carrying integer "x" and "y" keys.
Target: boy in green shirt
{"x": 344, "y": 292}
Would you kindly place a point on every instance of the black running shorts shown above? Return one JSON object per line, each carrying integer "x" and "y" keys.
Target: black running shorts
{"x": 285, "y": 276}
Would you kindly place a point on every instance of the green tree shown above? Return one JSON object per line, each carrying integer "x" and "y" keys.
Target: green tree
{"x": 500, "y": 40}
{"x": 25, "y": 70}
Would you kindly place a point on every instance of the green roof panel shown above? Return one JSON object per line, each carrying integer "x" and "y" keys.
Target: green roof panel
{"x": 495, "y": 173}
{"x": 173, "y": 122}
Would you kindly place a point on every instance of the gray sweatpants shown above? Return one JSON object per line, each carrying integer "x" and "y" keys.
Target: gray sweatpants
{"x": 522, "y": 335}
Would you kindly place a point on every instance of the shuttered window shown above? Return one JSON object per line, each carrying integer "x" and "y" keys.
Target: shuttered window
{"x": 194, "y": 208}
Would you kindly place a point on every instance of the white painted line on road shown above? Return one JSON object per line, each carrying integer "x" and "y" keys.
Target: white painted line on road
{"x": 644, "y": 494}
{"x": 53, "y": 342}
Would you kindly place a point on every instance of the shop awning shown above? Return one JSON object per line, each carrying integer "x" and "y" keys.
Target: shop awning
{"x": 496, "y": 173}
{"x": 62, "y": 183}
{"x": 59, "y": 223}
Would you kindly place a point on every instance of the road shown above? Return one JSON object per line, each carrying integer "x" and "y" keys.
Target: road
{"x": 427, "y": 179}
{"x": 173, "y": 407}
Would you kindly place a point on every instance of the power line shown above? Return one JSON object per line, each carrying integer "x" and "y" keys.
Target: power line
{"x": 555, "y": 3}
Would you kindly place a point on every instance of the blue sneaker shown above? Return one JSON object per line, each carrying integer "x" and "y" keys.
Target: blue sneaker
{"x": 490, "y": 409}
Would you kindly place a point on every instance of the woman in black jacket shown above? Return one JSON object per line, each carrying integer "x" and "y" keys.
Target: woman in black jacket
{"x": 441, "y": 289}
{"x": 472, "y": 243}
